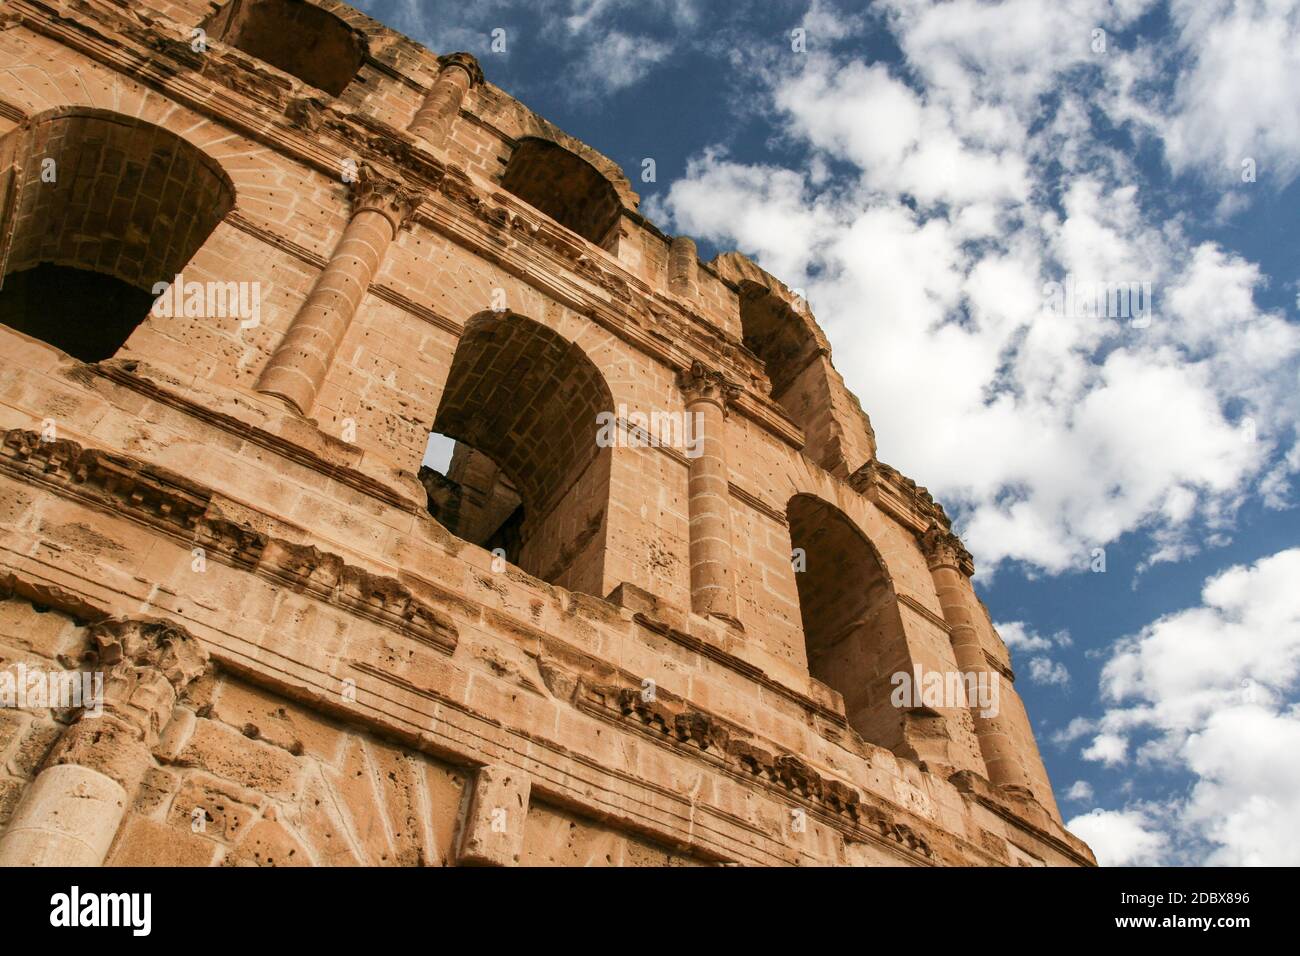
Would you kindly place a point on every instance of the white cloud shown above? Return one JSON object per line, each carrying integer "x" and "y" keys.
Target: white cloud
{"x": 1235, "y": 99}
{"x": 1121, "y": 838}
{"x": 620, "y": 60}
{"x": 609, "y": 58}
{"x": 1109, "y": 749}
{"x": 1077, "y": 727}
{"x": 1080, "y": 790}
{"x": 1019, "y": 636}
{"x": 1045, "y": 670}
{"x": 1212, "y": 689}
{"x": 928, "y": 264}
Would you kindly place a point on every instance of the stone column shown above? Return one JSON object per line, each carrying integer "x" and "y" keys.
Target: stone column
{"x": 683, "y": 267}
{"x": 1001, "y": 740}
{"x": 295, "y": 373}
{"x": 72, "y": 810}
{"x": 459, "y": 74}
{"x": 713, "y": 592}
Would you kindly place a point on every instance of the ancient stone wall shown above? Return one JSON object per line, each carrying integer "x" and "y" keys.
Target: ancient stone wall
{"x": 606, "y": 652}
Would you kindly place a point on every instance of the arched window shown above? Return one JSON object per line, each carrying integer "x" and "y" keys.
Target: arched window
{"x": 565, "y": 187}
{"x": 851, "y": 622}
{"x": 295, "y": 36}
{"x": 527, "y": 474}
{"x": 797, "y": 366}
{"x": 104, "y": 207}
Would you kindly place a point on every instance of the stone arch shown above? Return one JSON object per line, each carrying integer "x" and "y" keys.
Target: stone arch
{"x": 101, "y": 208}
{"x": 301, "y": 38}
{"x": 775, "y": 330}
{"x": 528, "y": 476}
{"x": 777, "y": 327}
{"x": 564, "y": 186}
{"x": 522, "y": 123}
{"x": 853, "y": 627}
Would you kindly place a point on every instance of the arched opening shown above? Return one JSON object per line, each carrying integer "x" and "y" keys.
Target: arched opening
{"x": 295, "y": 36}
{"x": 103, "y": 208}
{"x": 565, "y": 187}
{"x": 851, "y": 621}
{"x": 797, "y": 366}
{"x": 527, "y": 475}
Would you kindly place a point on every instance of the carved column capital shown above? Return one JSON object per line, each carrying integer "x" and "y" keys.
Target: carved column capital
{"x": 944, "y": 549}
{"x": 147, "y": 664}
{"x": 389, "y": 197}
{"x": 464, "y": 61}
{"x": 702, "y": 384}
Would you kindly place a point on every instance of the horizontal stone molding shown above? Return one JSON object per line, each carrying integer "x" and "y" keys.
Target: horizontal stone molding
{"x": 186, "y": 511}
{"x": 317, "y": 261}
{"x": 121, "y": 375}
{"x": 673, "y": 722}
{"x": 730, "y": 661}
{"x": 917, "y": 607}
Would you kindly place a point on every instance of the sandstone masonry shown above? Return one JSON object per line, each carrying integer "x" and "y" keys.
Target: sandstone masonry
{"x": 566, "y": 650}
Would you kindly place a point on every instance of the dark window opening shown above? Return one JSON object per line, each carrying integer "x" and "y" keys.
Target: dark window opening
{"x": 798, "y": 367}
{"x": 565, "y": 187}
{"x": 86, "y": 314}
{"x": 294, "y": 36}
{"x": 473, "y": 499}
{"x": 102, "y": 209}
{"x": 851, "y": 622}
{"x": 778, "y": 335}
{"x": 527, "y": 475}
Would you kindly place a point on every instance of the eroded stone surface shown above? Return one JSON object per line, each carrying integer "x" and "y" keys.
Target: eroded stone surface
{"x": 601, "y": 638}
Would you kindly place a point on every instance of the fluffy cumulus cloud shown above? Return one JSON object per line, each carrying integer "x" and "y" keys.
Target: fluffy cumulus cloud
{"x": 1080, "y": 790}
{"x": 1038, "y": 650}
{"x": 1236, "y": 101}
{"x": 1209, "y": 693}
{"x": 1121, "y": 837}
{"x": 998, "y": 285}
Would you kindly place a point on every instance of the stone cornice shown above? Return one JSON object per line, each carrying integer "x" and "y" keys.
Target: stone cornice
{"x": 674, "y": 722}
{"x": 893, "y": 492}
{"x": 730, "y": 661}
{"x": 339, "y": 471}
{"x": 186, "y": 511}
{"x": 918, "y": 608}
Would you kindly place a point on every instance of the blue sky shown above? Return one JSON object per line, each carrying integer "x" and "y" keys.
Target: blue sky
{"x": 926, "y": 171}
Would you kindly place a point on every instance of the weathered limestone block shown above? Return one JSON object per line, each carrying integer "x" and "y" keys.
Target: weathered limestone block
{"x": 145, "y": 842}
{"x": 493, "y": 833}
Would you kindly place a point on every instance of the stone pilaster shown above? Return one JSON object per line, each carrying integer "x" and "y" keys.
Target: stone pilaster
{"x": 381, "y": 207}
{"x": 683, "y": 267}
{"x": 1006, "y": 740}
{"x": 72, "y": 810}
{"x": 707, "y": 394}
{"x": 459, "y": 74}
